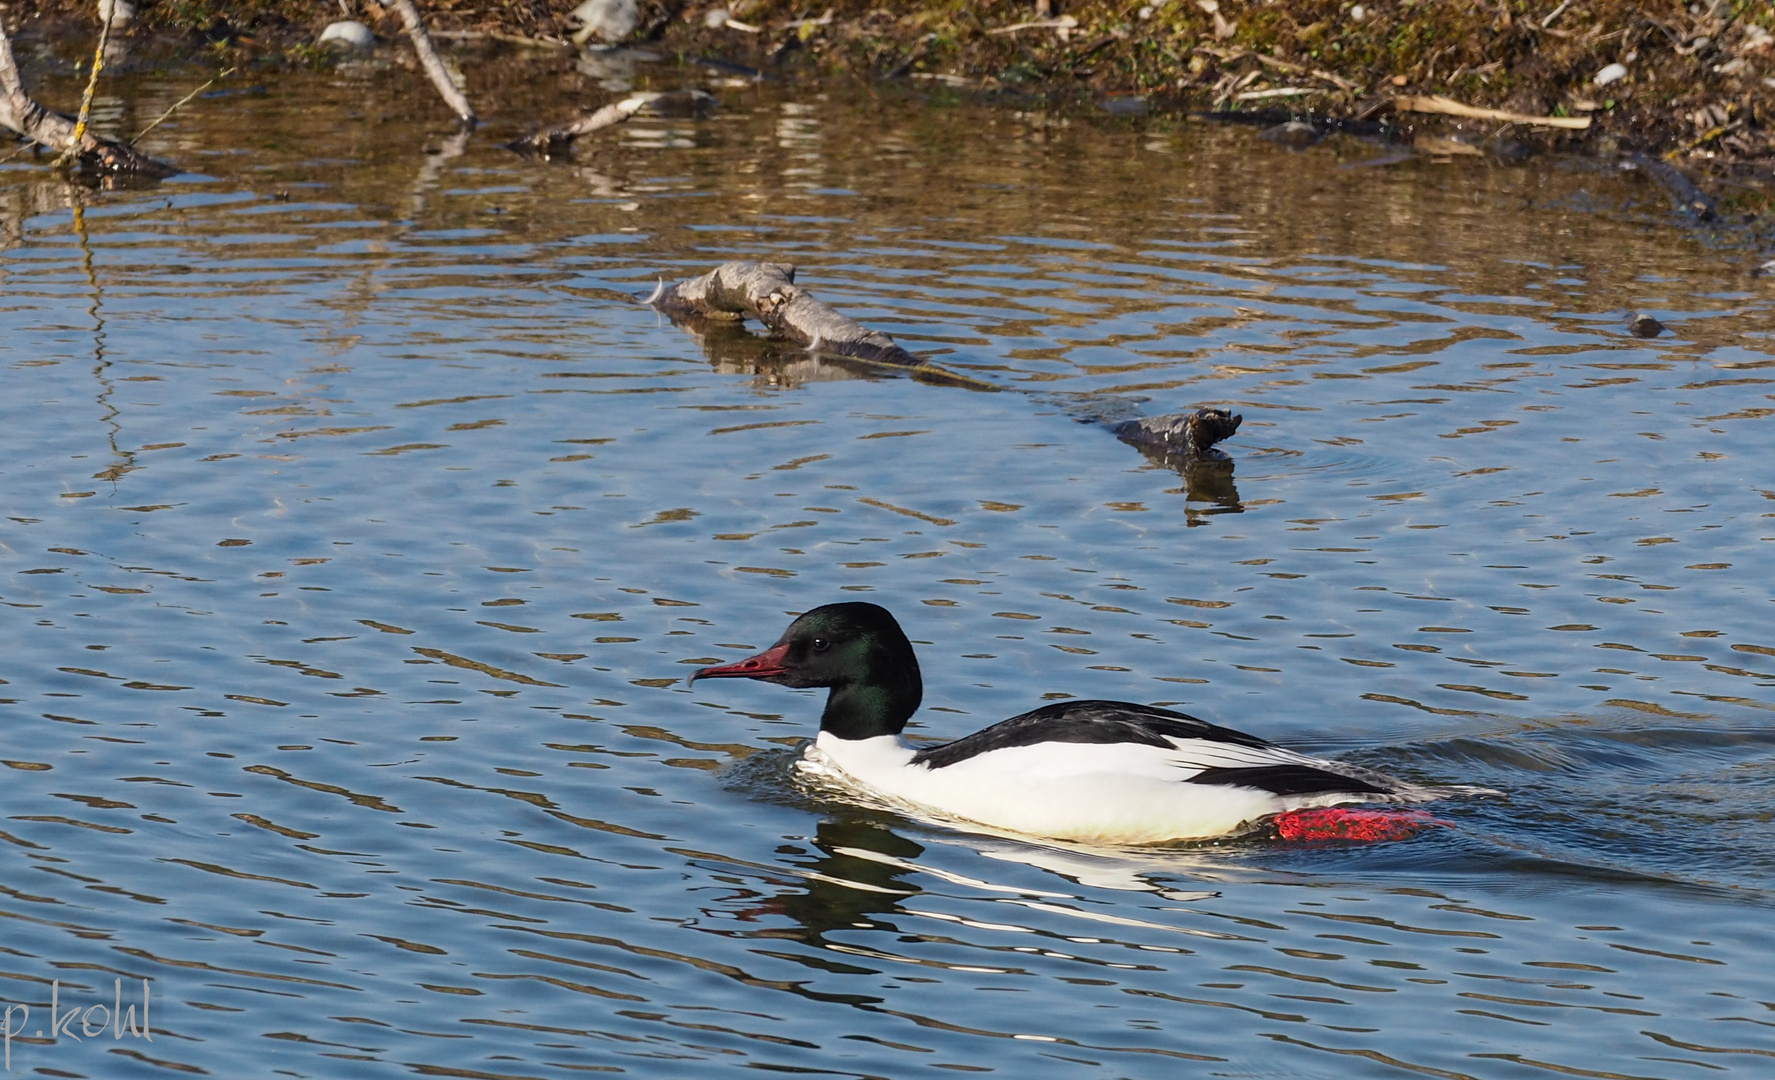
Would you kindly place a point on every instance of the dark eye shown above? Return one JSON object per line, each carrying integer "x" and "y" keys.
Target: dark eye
{"x": 821, "y": 644}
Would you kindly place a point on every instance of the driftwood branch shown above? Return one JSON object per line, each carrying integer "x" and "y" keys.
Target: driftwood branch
{"x": 1188, "y": 436}
{"x": 712, "y": 306}
{"x": 556, "y": 139}
{"x": 434, "y": 64}
{"x": 1185, "y": 442}
{"x": 60, "y": 133}
{"x": 767, "y": 292}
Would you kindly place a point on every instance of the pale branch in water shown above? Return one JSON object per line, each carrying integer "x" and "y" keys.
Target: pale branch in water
{"x": 767, "y": 292}
{"x": 434, "y": 64}
{"x": 557, "y": 138}
{"x": 59, "y": 133}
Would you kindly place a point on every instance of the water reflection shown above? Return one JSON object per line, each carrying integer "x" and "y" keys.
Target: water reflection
{"x": 862, "y": 873}
{"x": 1203, "y": 481}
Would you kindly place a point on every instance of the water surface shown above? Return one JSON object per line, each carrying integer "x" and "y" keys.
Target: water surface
{"x": 360, "y": 532}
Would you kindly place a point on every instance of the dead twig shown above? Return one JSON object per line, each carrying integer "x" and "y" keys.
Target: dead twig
{"x": 1064, "y": 25}
{"x": 179, "y": 104}
{"x": 1436, "y": 103}
{"x": 496, "y": 35}
{"x": 1228, "y": 55}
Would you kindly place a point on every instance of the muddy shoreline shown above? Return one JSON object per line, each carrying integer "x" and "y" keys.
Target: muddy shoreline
{"x": 1693, "y": 82}
{"x": 1684, "y": 93}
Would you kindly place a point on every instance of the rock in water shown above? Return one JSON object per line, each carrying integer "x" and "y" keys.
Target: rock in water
{"x": 348, "y": 35}
{"x": 607, "y": 20}
{"x": 1644, "y": 326}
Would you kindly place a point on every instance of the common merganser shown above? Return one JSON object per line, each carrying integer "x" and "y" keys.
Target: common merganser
{"x": 1094, "y": 771}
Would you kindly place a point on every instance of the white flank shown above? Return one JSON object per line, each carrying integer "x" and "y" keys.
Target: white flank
{"x": 1115, "y": 793}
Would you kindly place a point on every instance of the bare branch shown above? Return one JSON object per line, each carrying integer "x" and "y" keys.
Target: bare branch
{"x": 59, "y": 133}
{"x": 433, "y": 63}
{"x": 556, "y": 139}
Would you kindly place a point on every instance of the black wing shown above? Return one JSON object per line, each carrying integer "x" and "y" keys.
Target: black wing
{"x": 1148, "y": 725}
{"x": 1292, "y": 780}
{"x": 1085, "y": 722}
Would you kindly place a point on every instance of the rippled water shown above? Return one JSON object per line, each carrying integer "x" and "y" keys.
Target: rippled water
{"x": 359, "y": 533}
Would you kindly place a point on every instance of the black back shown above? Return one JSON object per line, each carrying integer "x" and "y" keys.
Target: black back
{"x": 1107, "y": 722}
{"x": 1088, "y": 721}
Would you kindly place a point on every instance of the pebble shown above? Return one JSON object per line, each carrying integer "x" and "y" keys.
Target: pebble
{"x": 1612, "y": 73}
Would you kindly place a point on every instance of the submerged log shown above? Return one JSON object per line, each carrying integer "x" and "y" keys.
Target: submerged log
{"x": 724, "y": 296}
{"x": 767, "y": 292}
{"x": 1187, "y": 436}
{"x": 61, "y": 133}
{"x": 1185, "y": 442}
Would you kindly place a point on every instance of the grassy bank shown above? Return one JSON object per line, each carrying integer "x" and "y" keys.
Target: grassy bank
{"x": 1694, "y": 82}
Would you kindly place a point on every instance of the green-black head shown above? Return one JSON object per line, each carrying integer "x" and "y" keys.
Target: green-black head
{"x": 856, "y": 649}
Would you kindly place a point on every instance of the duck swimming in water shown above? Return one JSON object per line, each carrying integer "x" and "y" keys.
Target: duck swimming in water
{"x": 1093, "y": 771}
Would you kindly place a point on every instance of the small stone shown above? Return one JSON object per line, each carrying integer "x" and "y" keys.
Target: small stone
{"x": 348, "y": 35}
{"x": 715, "y": 18}
{"x": 1644, "y": 326}
{"x": 1612, "y": 73}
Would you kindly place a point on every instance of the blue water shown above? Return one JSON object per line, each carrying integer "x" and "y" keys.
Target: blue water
{"x": 359, "y": 533}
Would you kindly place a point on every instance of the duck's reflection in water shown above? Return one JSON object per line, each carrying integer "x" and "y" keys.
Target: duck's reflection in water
{"x": 858, "y": 872}
{"x": 863, "y": 871}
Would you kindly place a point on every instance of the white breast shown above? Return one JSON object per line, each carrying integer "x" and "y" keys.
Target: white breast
{"x": 1102, "y": 793}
